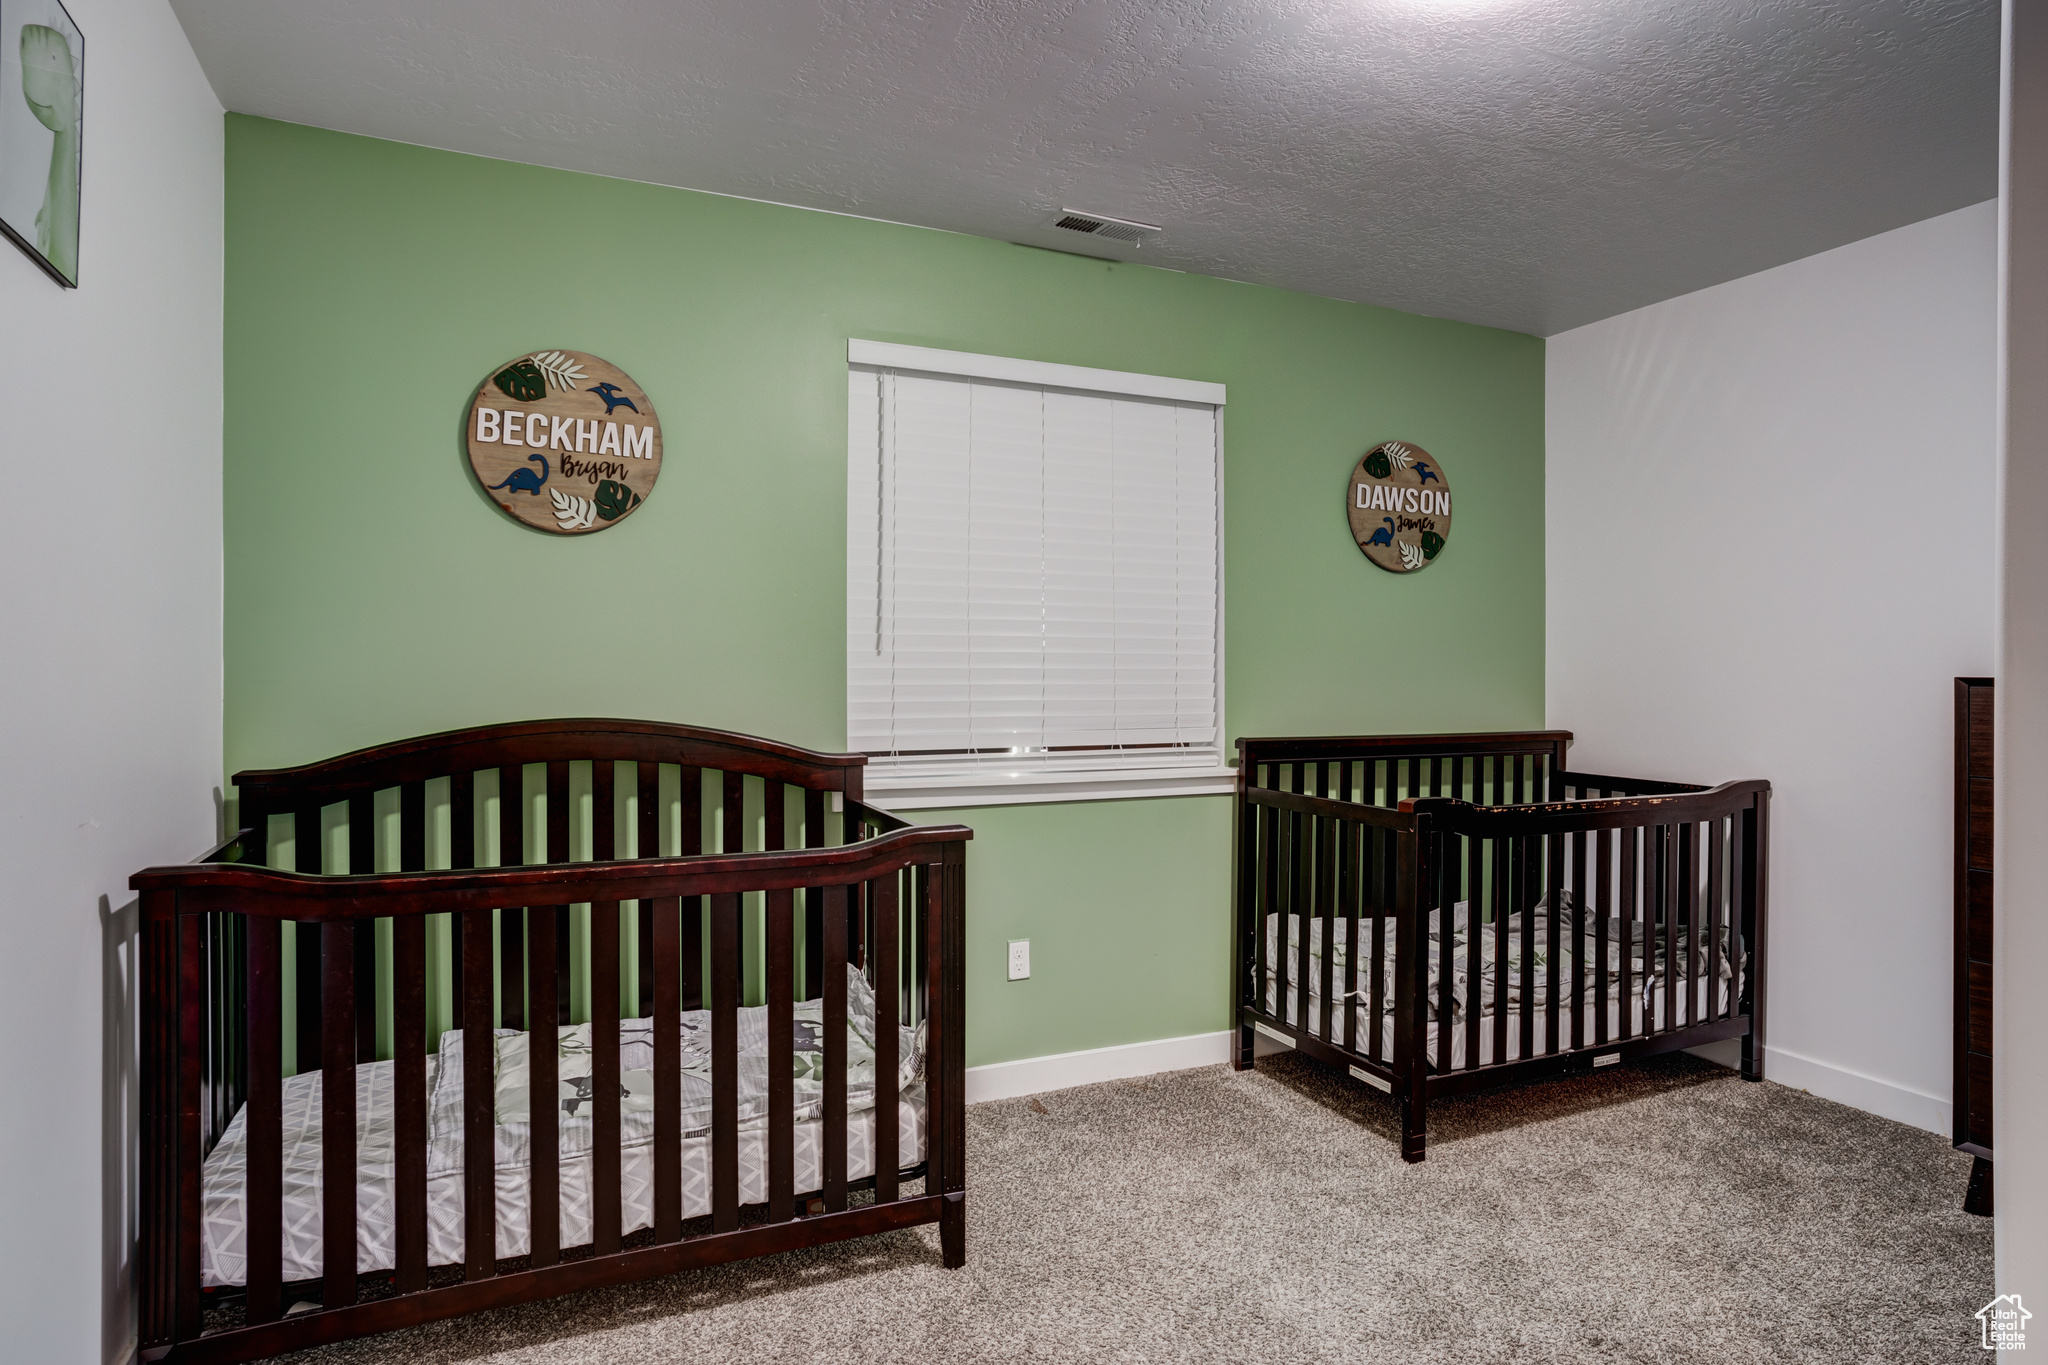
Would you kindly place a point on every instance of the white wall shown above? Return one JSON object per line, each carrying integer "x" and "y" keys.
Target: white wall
{"x": 2019, "y": 946}
{"x": 110, "y": 670}
{"x": 1770, "y": 534}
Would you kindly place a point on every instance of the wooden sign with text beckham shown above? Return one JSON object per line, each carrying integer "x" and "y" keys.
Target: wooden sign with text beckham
{"x": 564, "y": 441}
{"x": 1399, "y": 503}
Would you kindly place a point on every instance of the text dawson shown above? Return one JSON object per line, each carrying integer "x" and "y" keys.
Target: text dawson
{"x": 1382, "y": 497}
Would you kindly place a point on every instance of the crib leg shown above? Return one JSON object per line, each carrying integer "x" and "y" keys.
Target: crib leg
{"x": 1752, "y": 1058}
{"x": 953, "y": 1231}
{"x": 1243, "y": 1055}
{"x": 1977, "y": 1198}
{"x": 1414, "y": 1124}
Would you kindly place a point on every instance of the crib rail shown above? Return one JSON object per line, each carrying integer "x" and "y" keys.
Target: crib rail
{"x": 396, "y": 955}
{"x": 1414, "y": 909}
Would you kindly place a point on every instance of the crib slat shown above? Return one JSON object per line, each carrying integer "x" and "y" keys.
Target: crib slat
{"x": 1326, "y": 908}
{"x": 544, "y": 1065}
{"x": 910, "y": 1006}
{"x": 362, "y": 859}
{"x": 814, "y": 899}
{"x": 1667, "y": 915}
{"x": 1646, "y": 888}
{"x": 1348, "y": 887}
{"x": 781, "y": 984}
{"x": 1528, "y": 867}
{"x": 834, "y": 1049}
{"x": 887, "y": 958}
{"x": 725, "y": 1080}
{"x": 604, "y": 1066}
{"x": 1503, "y": 901}
{"x": 1283, "y": 907}
{"x": 557, "y": 851}
{"x": 1475, "y": 903}
{"x": 668, "y": 1079}
{"x": 1553, "y": 984}
{"x": 512, "y": 920}
{"x": 692, "y": 931}
{"x": 732, "y": 837}
{"x": 263, "y": 1128}
{"x": 479, "y": 1123}
{"x": 462, "y": 853}
{"x": 1630, "y": 936}
{"x": 774, "y": 815}
{"x": 647, "y": 844}
{"x": 1300, "y": 850}
{"x": 1689, "y": 879}
{"x": 1381, "y": 850}
{"x": 604, "y": 841}
{"x": 409, "y": 1097}
{"x": 1578, "y": 983}
{"x": 1268, "y": 959}
{"x": 1715, "y": 852}
{"x": 1677, "y": 984}
{"x": 1603, "y": 889}
{"x": 1445, "y": 896}
{"x": 306, "y": 944}
{"x": 338, "y": 1129}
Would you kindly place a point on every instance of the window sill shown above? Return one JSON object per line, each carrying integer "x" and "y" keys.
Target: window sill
{"x": 911, "y": 791}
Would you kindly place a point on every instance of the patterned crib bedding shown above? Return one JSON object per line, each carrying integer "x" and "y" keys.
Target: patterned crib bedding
{"x": 223, "y": 1259}
{"x": 1709, "y": 954}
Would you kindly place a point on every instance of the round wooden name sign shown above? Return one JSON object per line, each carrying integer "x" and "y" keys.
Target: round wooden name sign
{"x": 1399, "y": 502}
{"x": 564, "y": 441}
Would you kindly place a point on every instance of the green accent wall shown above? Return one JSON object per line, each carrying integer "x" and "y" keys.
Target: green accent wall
{"x": 373, "y": 592}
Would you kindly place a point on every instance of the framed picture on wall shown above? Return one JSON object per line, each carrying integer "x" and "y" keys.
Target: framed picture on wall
{"x": 42, "y": 102}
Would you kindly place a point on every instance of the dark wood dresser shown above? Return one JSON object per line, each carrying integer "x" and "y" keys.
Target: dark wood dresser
{"x": 1972, "y": 1120}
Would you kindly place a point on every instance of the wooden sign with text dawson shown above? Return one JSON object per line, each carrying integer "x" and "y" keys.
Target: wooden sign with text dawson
{"x": 1399, "y": 503}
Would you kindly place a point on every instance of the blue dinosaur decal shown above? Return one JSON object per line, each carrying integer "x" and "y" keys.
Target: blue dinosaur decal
{"x": 1383, "y": 536}
{"x": 613, "y": 399}
{"x": 1428, "y": 474}
{"x": 525, "y": 480}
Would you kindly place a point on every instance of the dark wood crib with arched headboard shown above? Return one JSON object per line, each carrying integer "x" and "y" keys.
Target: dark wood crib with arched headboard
{"x": 751, "y": 981}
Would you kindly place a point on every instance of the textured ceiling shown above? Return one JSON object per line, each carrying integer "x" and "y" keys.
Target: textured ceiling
{"x": 1531, "y": 164}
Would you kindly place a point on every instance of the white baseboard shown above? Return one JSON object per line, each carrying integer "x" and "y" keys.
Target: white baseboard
{"x": 1873, "y": 1095}
{"x": 1033, "y": 1075}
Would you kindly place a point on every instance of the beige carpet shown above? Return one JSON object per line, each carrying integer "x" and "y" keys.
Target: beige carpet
{"x": 1661, "y": 1213}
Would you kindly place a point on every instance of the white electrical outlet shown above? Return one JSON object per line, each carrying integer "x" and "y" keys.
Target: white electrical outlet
{"x": 1020, "y": 958}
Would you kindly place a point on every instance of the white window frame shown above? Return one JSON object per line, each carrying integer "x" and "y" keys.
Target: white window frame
{"x": 989, "y": 785}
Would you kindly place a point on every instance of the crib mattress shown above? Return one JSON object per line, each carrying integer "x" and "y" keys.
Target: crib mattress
{"x": 222, "y": 1256}
{"x": 1539, "y": 1047}
{"x": 1645, "y": 1002}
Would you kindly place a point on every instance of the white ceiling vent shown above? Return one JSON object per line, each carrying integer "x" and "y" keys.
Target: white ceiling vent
{"x": 1102, "y": 226}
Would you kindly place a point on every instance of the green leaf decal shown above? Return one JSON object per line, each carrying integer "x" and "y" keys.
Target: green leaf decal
{"x": 614, "y": 500}
{"x": 1376, "y": 464}
{"x": 1431, "y": 543}
{"x": 522, "y": 380}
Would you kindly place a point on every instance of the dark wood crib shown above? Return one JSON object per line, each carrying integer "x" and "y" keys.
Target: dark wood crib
{"x": 1496, "y": 918}
{"x": 373, "y": 958}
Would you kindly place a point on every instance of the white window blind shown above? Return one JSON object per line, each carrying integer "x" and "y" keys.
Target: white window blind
{"x": 1032, "y": 577}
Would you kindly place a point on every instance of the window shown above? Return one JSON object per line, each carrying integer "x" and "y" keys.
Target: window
{"x": 1033, "y": 602}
